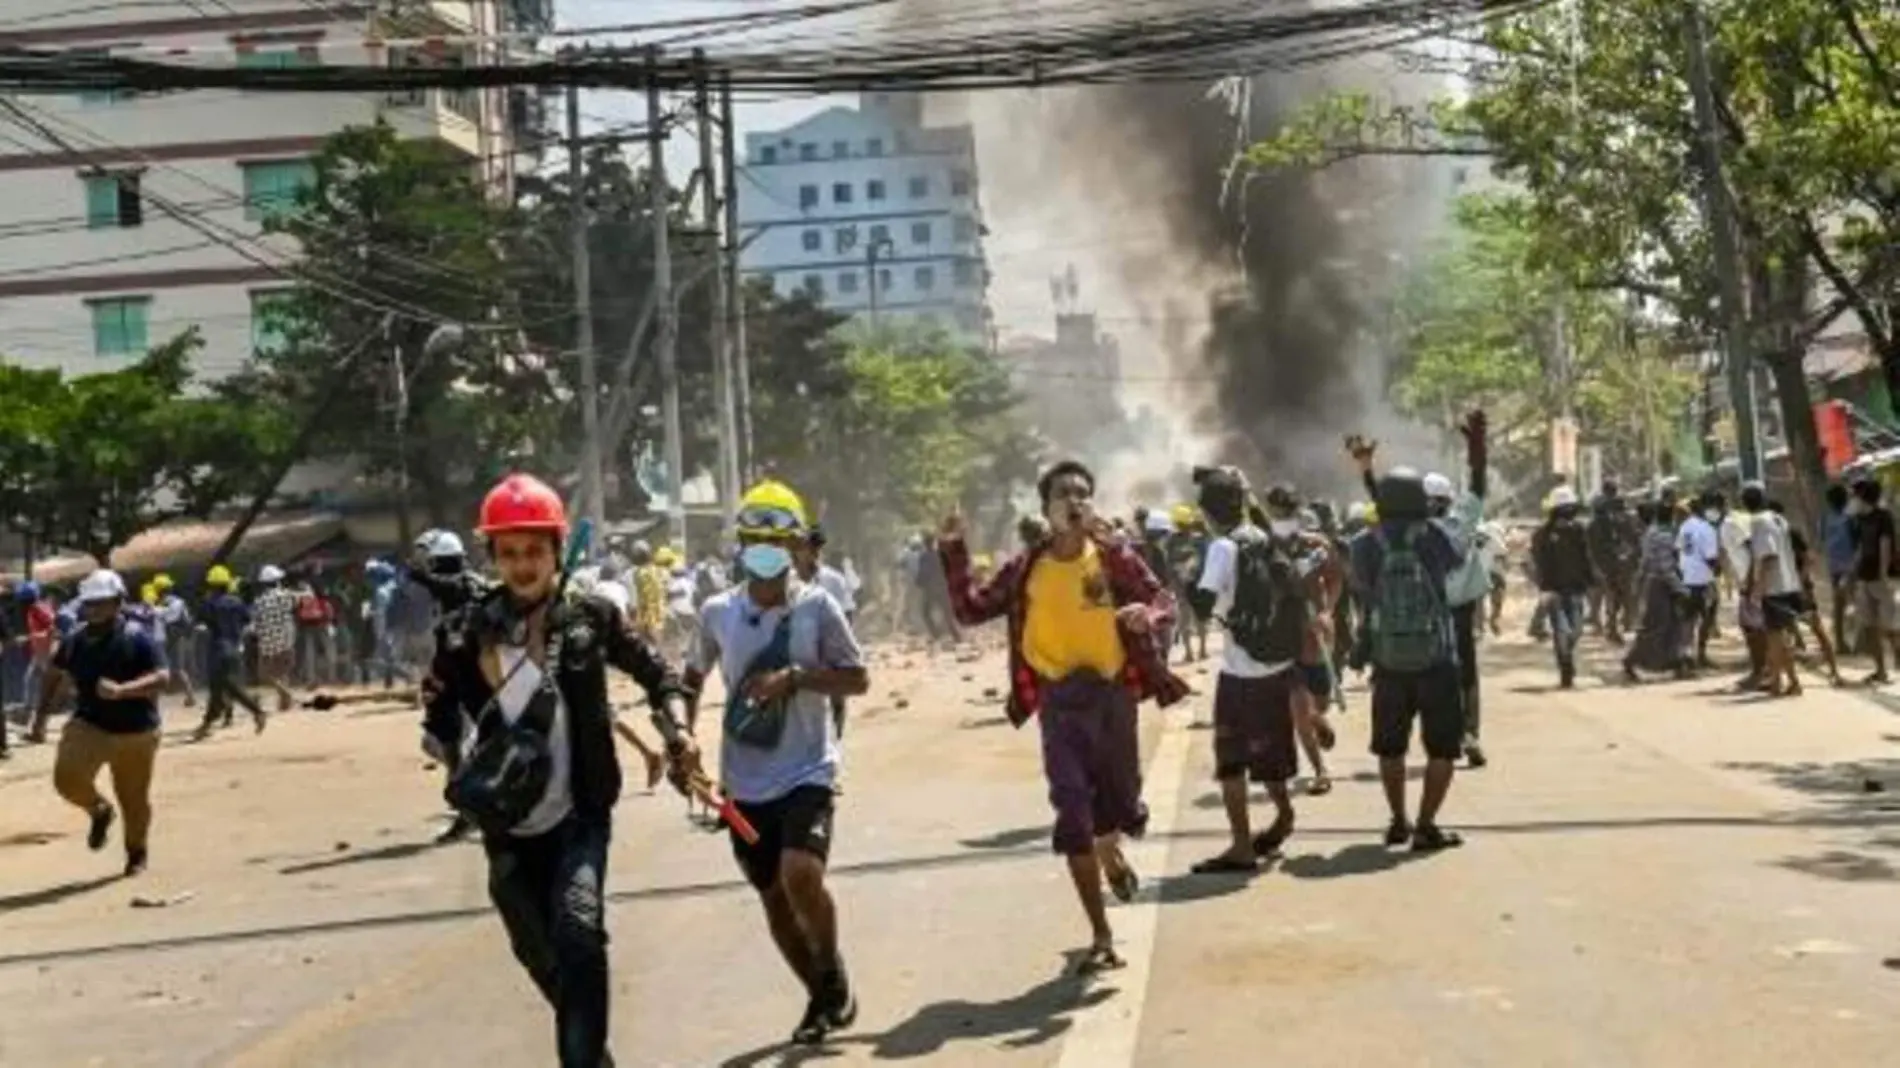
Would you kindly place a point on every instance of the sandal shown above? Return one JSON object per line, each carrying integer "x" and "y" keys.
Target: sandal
{"x": 1430, "y": 839}
{"x": 1268, "y": 842}
{"x": 1398, "y": 832}
{"x": 1327, "y": 739}
{"x": 1101, "y": 957}
{"x": 1225, "y": 865}
{"x": 1124, "y": 883}
{"x": 1320, "y": 786}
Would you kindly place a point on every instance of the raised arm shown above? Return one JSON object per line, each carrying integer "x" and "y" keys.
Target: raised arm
{"x": 973, "y": 603}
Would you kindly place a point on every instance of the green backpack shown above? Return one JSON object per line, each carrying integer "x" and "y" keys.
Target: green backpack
{"x": 1411, "y": 620}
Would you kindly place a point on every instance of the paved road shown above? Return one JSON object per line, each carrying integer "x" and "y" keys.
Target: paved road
{"x": 1663, "y": 876}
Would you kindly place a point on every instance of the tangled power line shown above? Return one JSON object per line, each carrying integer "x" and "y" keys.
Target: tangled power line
{"x": 979, "y": 44}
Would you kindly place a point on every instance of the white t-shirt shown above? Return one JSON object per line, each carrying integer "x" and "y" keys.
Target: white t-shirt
{"x": 1219, "y": 576}
{"x": 521, "y": 684}
{"x": 679, "y": 594}
{"x": 1768, "y": 536}
{"x": 1696, "y": 545}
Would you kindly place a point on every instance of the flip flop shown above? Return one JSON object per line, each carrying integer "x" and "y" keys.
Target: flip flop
{"x": 1430, "y": 839}
{"x": 1225, "y": 865}
{"x": 1268, "y": 842}
{"x": 1327, "y": 739}
{"x": 1124, "y": 883}
{"x": 1099, "y": 958}
{"x": 1320, "y": 786}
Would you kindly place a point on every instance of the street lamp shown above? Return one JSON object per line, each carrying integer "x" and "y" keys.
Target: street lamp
{"x": 870, "y": 259}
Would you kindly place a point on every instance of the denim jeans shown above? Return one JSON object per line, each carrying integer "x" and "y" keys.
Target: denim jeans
{"x": 1567, "y": 612}
{"x": 549, "y": 890}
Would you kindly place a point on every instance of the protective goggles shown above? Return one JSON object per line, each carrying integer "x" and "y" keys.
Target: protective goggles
{"x": 770, "y": 522}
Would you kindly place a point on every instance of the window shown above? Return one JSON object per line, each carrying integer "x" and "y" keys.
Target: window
{"x": 965, "y": 229}
{"x": 270, "y": 319}
{"x": 847, "y": 281}
{"x": 874, "y": 190}
{"x": 880, "y": 234}
{"x": 274, "y": 59}
{"x": 118, "y": 325}
{"x": 814, "y": 285}
{"x": 966, "y": 272}
{"x": 840, "y": 149}
{"x": 920, "y": 233}
{"x": 807, "y": 197}
{"x": 112, "y": 200}
{"x": 959, "y": 183}
{"x": 271, "y": 188}
{"x": 812, "y": 240}
{"x": 926, "y": 277}
{"x": 808, "y": 150}
{"x": 874, "y": 146}
{"x": 884, "y": 279}
{"x": 841, "y": 192}
{"x": 845, "y": 240}
{"x": 768, "y": 154}
{"x": 919, "y": 187}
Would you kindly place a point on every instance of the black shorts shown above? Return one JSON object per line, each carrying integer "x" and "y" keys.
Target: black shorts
{"x": 1435, "y": 697}
{"x": 1318, "y": 679}
{"x": 1783, "y": 610}
{"x": 800, "y": 820}
{"x": 1253, "y": 727}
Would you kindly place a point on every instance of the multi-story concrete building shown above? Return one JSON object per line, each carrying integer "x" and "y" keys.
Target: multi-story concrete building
{"x": 97, "y": 263}
{"x": 872, "y": 210}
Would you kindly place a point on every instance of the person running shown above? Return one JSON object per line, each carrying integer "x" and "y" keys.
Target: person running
{"x": 41, "y": 633}
{"x": 274, "y": 628}
{"x": 1083, "y": 614}
{"x": 1408, "y": 637}
{"x": 115, "y": 672}
{"x": 1774, "y": 587}
{"x": 1658, "y": 645}
{"x": 226, "y": 618}
{"x": 784, "y": 649}
{"x": 1699, "y": 561}
{"x": 1565, "y": 575}
{"x": 181, "y": 643}
{"x": 1810, "y": 611}
{"x": 1256, "y": 584}
{"x": 1875, "y": 559}
{"x": 528, "y": 670}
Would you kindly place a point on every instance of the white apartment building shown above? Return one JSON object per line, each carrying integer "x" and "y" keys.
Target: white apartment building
{"x": 872, "y": 210}
{"x": 95, "y": 265}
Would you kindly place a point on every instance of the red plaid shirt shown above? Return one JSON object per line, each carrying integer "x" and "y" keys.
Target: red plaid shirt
{"x": 1145, "y": 672}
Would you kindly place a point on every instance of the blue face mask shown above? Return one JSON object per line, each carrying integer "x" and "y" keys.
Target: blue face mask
{"x": 765, "y": 562}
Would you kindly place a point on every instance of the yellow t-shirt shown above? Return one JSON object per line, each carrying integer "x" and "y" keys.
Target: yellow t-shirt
{"x": 1071, "y": 618}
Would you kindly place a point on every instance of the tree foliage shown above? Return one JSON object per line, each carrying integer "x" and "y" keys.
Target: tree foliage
{"x": 89, "y": 462}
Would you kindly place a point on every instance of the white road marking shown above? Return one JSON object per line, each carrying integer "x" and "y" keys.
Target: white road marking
{"x": 1105, "y": 1035}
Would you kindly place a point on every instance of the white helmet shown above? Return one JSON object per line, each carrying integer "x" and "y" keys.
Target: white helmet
{"x": 439, "y": 545}
{"x": 101, "y": 585}
{"x": 1358, "y": 511}
{"x": 1563, "y": 497}
{"x": 1159, "y": 523}
{"x": 1437, "y": 487}
{"x": 270, "y": 573}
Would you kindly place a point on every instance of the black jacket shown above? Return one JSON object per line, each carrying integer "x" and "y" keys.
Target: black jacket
{"x": 1561, "y": 554}
{"x": 596, "y": 634}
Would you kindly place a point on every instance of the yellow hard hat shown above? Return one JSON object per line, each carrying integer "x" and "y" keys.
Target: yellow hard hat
{"x": 1372, "y": 513}
{"x": 219, "y": 577}
{"x": 149, "y": 593}
{"x": 1184, "y": 515}
{"x": 772, "y": 509}
{"x": 664, "y": 556}
{"x": 161, "y": 582}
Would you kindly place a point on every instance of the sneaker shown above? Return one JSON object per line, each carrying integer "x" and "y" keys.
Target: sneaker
{"x": 1474, "y": 755}
{"x": 102, "y": 818}
{"x": 811, "y": 1028}
{"x": 134, "y": 861}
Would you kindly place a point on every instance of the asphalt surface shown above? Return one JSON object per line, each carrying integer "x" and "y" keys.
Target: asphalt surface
{"x": 1666, "y": 875}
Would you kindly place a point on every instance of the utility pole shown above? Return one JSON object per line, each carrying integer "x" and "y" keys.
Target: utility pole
{"x": 593, "y": 495}
{"x": 1718, "y": 214}
{"x": 668, "y": 338}
{"x": 870, "y": 264}
{"x": 728, "y": 426}
{"x": 735, "y": 290}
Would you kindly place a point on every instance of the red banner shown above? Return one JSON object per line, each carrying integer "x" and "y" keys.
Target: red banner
{"x": 1836, "y": 433}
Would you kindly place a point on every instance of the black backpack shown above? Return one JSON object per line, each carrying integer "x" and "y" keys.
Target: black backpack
{"x": 1269, "y": 615}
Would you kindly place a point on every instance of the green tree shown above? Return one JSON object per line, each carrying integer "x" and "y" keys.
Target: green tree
{"x": 103, "y": 457}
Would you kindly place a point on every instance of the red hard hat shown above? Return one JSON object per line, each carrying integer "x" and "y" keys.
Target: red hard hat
{"x": 522, "y": 503}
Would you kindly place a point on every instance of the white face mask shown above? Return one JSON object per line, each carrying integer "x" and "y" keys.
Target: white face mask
{"x": 1283, "y": 528}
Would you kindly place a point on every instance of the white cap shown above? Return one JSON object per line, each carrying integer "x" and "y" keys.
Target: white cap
{"x": 440, "y": 544}
{"x": 1159, "y": 523}
{"x": 1437, "y": 486}
{"x": 1357, "y": 511}
{"x": 1563, "y": 497}
{"x": 270, "y": 573}
{"x": 101, "y": 585}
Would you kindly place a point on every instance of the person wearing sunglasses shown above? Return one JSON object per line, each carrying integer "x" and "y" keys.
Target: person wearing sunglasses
{"x": 1084, "y": 617}
{"x": 784, "y": 650}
